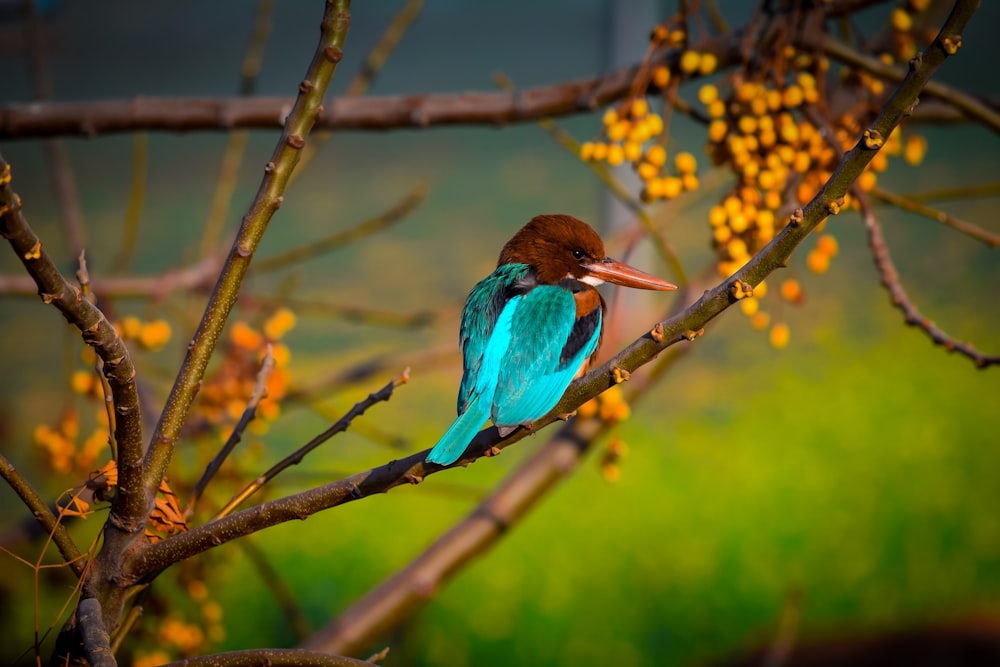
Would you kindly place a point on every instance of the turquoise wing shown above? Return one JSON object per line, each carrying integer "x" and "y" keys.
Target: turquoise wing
{"x": 548, "y": 340}
{"x": 483, "y": 308}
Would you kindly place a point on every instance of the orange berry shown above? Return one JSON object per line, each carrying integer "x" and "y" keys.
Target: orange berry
{"x": 791, "y": 290}
{"x": 708, "y": 63}
{"x": 661, "y": 76}
{"x": 901, "y": 19}
{"x": 685, "y": 163}
{"x": 780, "y": 336}
{"x": 708, "y": 94}
{"x": 760, "y": 320}
{"x": 616, "y": 155}
{"x": 915, "y": 149}
{"x": 827, "y": 244}
{"x": 750, "y": 306}
{"x": 633, "y": 150}
{"x": 656, "y": 155}
{"x": 817, "y": 262}
{"x": 672, "y": 187}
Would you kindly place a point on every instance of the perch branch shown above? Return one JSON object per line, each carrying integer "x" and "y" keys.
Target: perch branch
{"x": 345, "y": 237}
{"x": 682, "y": 327}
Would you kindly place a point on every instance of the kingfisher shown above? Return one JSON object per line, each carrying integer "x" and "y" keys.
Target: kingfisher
{"x": 532, "y": 326}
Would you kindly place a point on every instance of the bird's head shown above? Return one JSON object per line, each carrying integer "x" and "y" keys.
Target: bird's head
{"x": 561, "y": 246}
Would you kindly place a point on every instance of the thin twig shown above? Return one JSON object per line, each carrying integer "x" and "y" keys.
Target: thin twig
{"x": 959, "y": 225}
{"x": 345, "y": 312}
{"x": 370, "y": 68}
{"x": 51, "y": 524}
{"x": 137, "y": 195}
{"x": 55, "y": 150}
{"x": 280, "y": 590}
{"x": 249, "y": 412}
{"x": 890, "y": 280}
{"x": 225, "y": 186}
{"x": 383, "y": 394}
{"x": 345, "y": 237}
{"x": 969, "y": 105}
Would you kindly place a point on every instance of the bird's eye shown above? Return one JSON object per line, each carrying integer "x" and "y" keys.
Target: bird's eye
{"x": 579, "y": 254}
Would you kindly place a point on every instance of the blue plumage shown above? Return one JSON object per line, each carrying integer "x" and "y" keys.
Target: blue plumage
{"x": 530, "y": 327}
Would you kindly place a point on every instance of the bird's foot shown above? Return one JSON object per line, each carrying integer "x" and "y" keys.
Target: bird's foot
{"x": 493, "y": 451}
{"x": 565, "y": 416}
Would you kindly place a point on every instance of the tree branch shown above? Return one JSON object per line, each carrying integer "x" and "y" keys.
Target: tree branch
{"x": 96, "y": 642}
{"x": 91, "y": 119}
{"x": 273, "y": 657}
{"x": 129, "y": 503}
{"x": 912, "y": 316}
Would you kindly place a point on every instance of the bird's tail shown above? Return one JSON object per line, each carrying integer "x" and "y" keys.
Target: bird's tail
{"x": 461, "y": 432}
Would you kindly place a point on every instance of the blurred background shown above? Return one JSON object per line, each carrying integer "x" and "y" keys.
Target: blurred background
{"x": 846, "y": 485}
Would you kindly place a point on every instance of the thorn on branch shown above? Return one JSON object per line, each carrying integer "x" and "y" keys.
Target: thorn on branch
{"x": 739, "y": 290}
{"x": 656, "y": 333}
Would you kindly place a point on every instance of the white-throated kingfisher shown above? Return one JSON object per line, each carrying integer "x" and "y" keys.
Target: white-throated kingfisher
{"x": 532, "y": 326}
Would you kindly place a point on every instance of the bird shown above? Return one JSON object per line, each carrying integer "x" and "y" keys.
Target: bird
{"x": 532, "y": 326}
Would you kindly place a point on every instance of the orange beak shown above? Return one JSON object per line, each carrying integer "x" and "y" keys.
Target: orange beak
{"x": 623, "y": 274}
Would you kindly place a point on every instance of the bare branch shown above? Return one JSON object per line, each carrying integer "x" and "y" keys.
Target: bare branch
{"x": 129, "y": 505}
{"x": 273, "y": 657}
{"x": 914, "y": 206}
{"x": 890, "y": 279}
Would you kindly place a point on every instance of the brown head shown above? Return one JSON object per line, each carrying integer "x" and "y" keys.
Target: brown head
{"x": 561, "y": 246}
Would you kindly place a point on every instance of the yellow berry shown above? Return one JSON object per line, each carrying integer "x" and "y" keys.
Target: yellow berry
{"x": 685, "y": 163}
{"x": 708, "y": 63}
{"x": 792, "y": 97}
{"x": 633, "y": 151}
{"x": 708, "y": 94}
{"x": 639, "y": 108}
{"x": 747, "y": 124}
{"x": 717, "y": 130}
{"x": 616, "y": 155}
{"x": 656, "y": 155}
{"x": 661, "y": 77}
{"x": 587, "y": 151}
{"x": 600, "y": 151}
{"x": 654, "y": 189}
{"x": 690, "y": 61}
{"x": 717, "y": 216}
{"x": 749, "y": 306}
{"x": 690, "y": 182}
{"x": 155, "y": 334}
{"x": 617, "y": 131}
{"x": 901, "y": 20}
{"x": 647, "y": 171}
{"x": 722, "y": 234}
{"x": 131, "y": 326}
{"x": 716, "y": 109}
{"x": 760, "y": 291}
{"x": 654, "y": 123}
{"x": 867, "y": 180}
{"x": 915, "y": 149}
{"x": 610, "y": 117}
{"x": 672, "y": 187}
{"x": 738, "y": 222}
